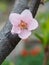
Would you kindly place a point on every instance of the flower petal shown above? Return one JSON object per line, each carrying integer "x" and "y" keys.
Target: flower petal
{"x": 32, "y": 25}
{"x": 26, "y": 15}
{"x": 14, "y": 18}
{"x": 15, "y": 30}
{"x": 24, "y": 34}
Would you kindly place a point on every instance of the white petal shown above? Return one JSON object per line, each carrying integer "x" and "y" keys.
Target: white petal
{"x": 14, "y": 18}
{"x": 26, "y": 15}
{"x": 24, "y": 34}
{"x": 15, "y": 30}
{"x": 32, "y": 25}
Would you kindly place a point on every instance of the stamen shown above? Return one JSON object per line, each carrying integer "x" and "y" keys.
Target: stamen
{"x": 23, "y": 25}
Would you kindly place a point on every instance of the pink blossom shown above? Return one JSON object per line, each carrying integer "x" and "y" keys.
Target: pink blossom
{"x": 23, "y": 23}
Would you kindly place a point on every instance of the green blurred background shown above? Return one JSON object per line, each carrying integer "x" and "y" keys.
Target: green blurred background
{"x": 41, "y": 34}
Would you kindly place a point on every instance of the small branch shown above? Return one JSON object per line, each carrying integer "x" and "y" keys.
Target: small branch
{"x": 7, "y": 40}
{"x": 46, "y": 57}
{"x": 45, "y": 60}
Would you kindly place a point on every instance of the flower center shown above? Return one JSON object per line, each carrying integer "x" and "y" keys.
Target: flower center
{"x": 23, "y": 25}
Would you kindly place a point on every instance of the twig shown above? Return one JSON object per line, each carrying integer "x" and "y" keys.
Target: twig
{"x": 7, "y": 40}
{"x": 46, "y": 57}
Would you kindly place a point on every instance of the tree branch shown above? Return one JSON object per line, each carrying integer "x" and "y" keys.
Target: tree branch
{"x": 7, "y": 40}
{"x": 34, "y": 5}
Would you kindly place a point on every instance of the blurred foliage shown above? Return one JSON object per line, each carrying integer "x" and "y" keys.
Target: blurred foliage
{"x": 8, "y": 1}
{"x": 4, "y": 4}
{"x": 43, "y": 32}
{"x": 46, "y": 0}
{"x": 30, "y": 59}
{"x": 3, "y": 7}
{"x": 5, "y": 62}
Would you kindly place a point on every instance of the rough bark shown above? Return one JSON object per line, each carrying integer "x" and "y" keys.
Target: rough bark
{"x": 7, "y": 40}
{"x": 34, "y": 5}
